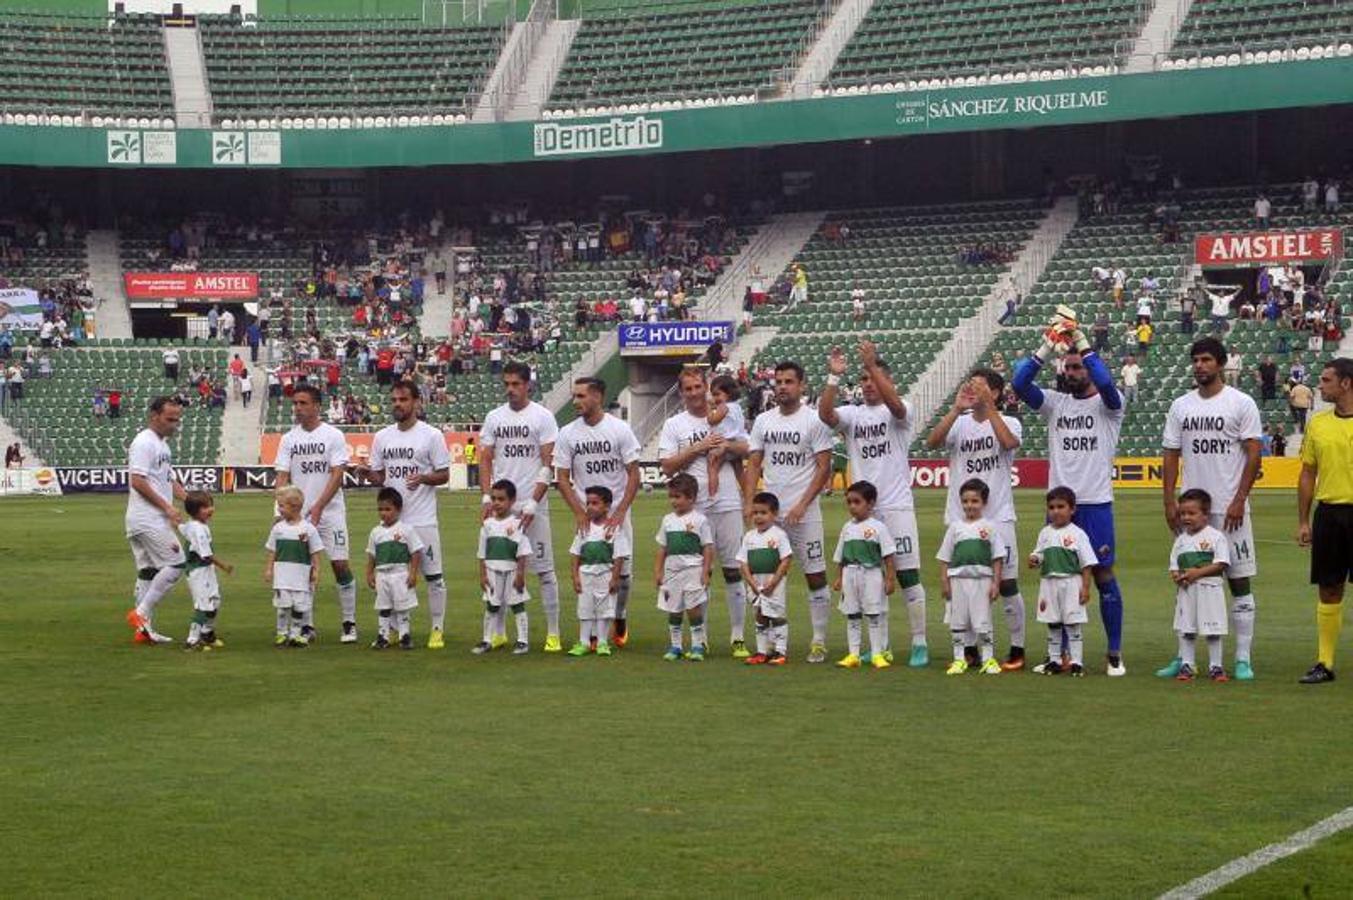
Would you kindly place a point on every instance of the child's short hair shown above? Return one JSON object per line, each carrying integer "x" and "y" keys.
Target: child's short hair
{"x": 864, "y": 489}
{"x": 289, "y": 494}
{"x": 768, "y": 500}
{"x": 196, "y": 501}
{"x": 391, "y": 496}
{"x": 727, "y": 385}
{"x": 975, "y": 485}
{"x": 601, "y": 492}
{"x": 1199, "y": 496}
{"x": 684, "y": 484}
{"x": 507, "y": 487}
{"x": 1063, "y": 493}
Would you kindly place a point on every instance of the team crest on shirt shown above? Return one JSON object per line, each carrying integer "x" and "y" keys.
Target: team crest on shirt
{"x": 869, "y": 533}
{"x": 1068, "y": 541}
{"x": 773, "y": 543}
{"x": 690, "y": 526}
{"x": 511, "y": 530}
{"x": 983, "y": 533}
{"x": 1204, "y": 545}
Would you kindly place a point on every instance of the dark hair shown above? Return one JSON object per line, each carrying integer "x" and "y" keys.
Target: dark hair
{"x": 519, "y": 369}
{"x": 196, "y": 501}
{"x": 596, "y": 385}
{"x": 1209, "y": 346}
{"x": 507, "y": 487}
{"x": 728, "y": 384}
{"x": 601, "y": 492}
{"x": 159, "y": 403}
{"x": 991, "y": 377}
{"x": 684, "y": 484}
{"x": 788, "y": 365}
{"x": 391, "y": 496}
{"x": 1199, "y": 496}
{"x": 405, "y": 384}
{"x": 978, "y": 485}
{"x": 308, "y": 389}
{"x": 768, "y": 500}
{"x": 1064, "y": 493}
{"x": 1343, "y": 368}
{"x": 883, "y": 364}
{"x": 864, "y": 489}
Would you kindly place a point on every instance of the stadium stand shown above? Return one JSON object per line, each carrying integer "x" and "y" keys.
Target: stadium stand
{"x": 908, "y": 262}
{"x": 1126, "y": 239}
{"x": 1250, "y": 26}
{"x": 681, "y": 50}
{"x": 909, "y": 39}
{"x": 309, "y": 66}
{"x": 63, "y": 417}
{"x": 57, "y": 63}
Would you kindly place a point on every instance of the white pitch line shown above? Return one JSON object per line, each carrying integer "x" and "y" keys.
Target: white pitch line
{"x": 1245, "y": 865}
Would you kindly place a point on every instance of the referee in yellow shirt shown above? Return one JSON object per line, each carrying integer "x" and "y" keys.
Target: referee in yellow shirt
{"x": 1327, "y": 477}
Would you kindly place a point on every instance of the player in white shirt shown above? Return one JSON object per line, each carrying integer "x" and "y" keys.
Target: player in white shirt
{"x": 1064, "y": 558}
{"x": 411, "y": 457}
{"x": 793, "y": 448}
{"x": 151, "y": 517}
{"x": 877, "y": 436}
{"x": 203, "y": 562}
{"x": 394, "y": 551}
{"x": 687, "y": 444}
{"x": 1215, "y": 432}
{"x": 516, "y": 442}
{"x": 982, "y": 444}
{"x": 1083, "y": 428}
{"x": 294, "y": 546}
{"x": 598, "y": 449}
{"x": 1198, "y": 561}
{"x": 682, "y": 567}
{"x": 314, "y": 457}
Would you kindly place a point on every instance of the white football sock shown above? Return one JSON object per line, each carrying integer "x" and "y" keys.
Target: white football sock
{"x": 1077, "y": 643}
{"x": 603, "y": 627}
{"x": 782, "y": 639}
{"x": 437, "y": 603}
{"x": 1242, "y": 621}
{"x": 549, "y": 601}
{"x": 1055, "y": 643}
{"x": 164, "y": 581}
{"x": 402, "y": 622}
{"x": 698, "y": 635}
{"x": 985, "y": 643}
{"x": 283, "y": 620}
{"x": 490, "y": 622}
{"x": 1214, "y": 654}
{"x": 674, "y": 638}
{"x": 1187, "y": 651}
{"x": 1014, "y": 618}
{"x": 585, "y": 630}
{"x": 878, "y": 636}
{"x": 521, "y": 621}
{"x": 854, "y": 630}
{"x": 383, "y": 623}
{"x": 347, "y": 600}
{"x": 819, "y": 611}
{"x": 960, "y": 639}
{"x": 500, "y": 622}
{"x": 762, "y": 639}
{"x": 736, "y": 597}
{"x": 915, "y": 597}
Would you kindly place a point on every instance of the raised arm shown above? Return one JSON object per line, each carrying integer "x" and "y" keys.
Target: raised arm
{"x": 883, "y": 382}
{"x": 826, "y": 401}
{"x": 1024, "y": 382}
{"x": 1102, "y": 379}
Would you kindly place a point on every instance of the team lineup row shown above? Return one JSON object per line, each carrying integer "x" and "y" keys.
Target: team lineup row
{"x": 784, "y": 457}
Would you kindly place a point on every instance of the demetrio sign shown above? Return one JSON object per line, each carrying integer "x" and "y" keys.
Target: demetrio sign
{"x": 1264, "y": 247}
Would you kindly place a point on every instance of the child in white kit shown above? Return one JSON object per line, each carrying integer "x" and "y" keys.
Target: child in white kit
{"x": 1064, "y": 557}
{"x": 599, "y": 556}
{"x": 504, "y": 550}
{"x": 765, "y": 557}
{"x": 865, "y": 576}
{"x": 202, "y": 566}
{"x": 970, "y": 576}
{"x": 1198, "y": 563}
{"x": 725, "y": 419}
{"x": 394, "y": 554}
{"x": 682, "y": 567}
{"x": 294, "y": 547}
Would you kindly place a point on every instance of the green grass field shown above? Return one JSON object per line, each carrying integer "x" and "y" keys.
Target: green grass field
{"x": 129, "y": 770}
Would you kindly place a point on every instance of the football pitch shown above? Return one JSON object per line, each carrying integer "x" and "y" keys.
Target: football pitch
{"x": 130, "y": 770}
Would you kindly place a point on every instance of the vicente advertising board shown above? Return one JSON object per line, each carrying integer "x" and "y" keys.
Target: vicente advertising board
{"x": 672, "y": 338}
